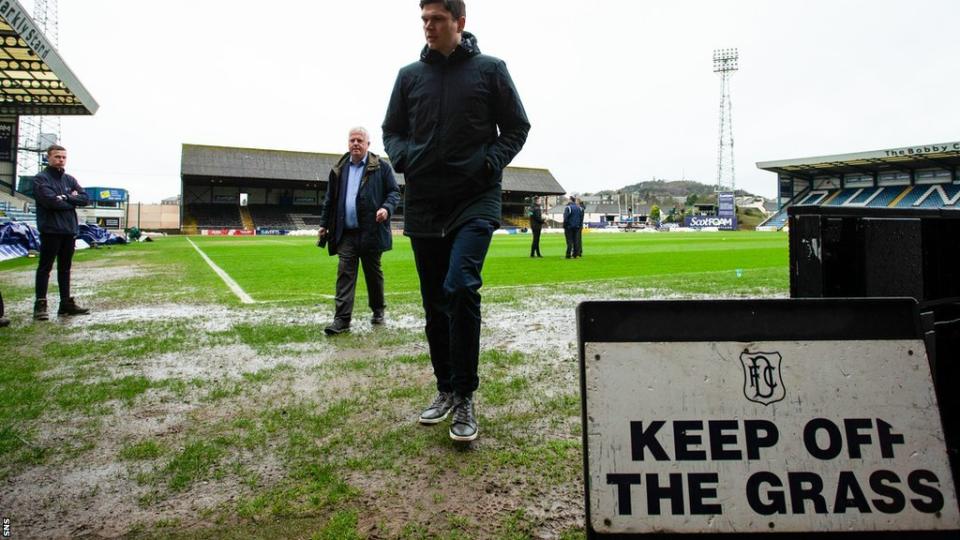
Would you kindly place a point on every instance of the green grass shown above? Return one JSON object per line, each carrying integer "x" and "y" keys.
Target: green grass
{"x": 307, "y": 273}
{"x": 292, "y": 433}
{"x": 293, "y": 270}
{"x": 143, "y": 450}
{"x": 84, "y": 396}
{"x": 342, "y": 526}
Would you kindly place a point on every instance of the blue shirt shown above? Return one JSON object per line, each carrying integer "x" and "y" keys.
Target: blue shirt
{"x": 354, "y": 175}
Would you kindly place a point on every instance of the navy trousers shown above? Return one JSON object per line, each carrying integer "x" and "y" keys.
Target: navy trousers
{"x": 449, "y": 270}
{"x": 571, "y": 237}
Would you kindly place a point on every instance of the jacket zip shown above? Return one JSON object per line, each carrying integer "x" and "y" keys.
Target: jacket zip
{"x": 440, "y": 124}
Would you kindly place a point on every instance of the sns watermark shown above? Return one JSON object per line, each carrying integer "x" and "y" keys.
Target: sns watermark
{"x": 6, "y": 528}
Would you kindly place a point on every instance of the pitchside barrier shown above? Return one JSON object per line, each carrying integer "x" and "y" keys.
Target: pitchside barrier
{"x": 798, "y": 418}
{"x": 872, "y": 252}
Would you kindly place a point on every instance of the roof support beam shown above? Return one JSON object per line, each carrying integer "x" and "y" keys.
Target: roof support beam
{"x": 862, "y": 169}
{"x": 945, "y": 164}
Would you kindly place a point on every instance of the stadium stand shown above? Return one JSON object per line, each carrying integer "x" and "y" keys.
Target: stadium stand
{"x": 284, "y": 188}
{"x": 270, "y": 217}
{"x": 943, "y": 195}
{"x": 306, "y": 221}
{"x": 215, "y": 216}
{"x": 779, "y": 219}
{"x": 862, "y": 196}
{"x": 839, "y": 197}
{"x": 873, "y": 197}
{"x": 776, "y": 221}
{"x": 246, "y": 219}
{"x": 18, "y": 212}
{"x": 266, "y": 216}
{"x": 813, "y": 198}
{"x": 926, "y": 176}
{"x": 907, "y": 200}
{"x": 885, "y": 197}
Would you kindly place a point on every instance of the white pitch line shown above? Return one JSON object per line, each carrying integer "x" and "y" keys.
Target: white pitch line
{"x": 234, "y": 286}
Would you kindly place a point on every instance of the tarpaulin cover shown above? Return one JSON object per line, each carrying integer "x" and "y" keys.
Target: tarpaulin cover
{"x": 93, "y": 235}
{"x": 16, "y": 239}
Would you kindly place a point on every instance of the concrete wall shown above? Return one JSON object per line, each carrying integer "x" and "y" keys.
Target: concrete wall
{"x": 151, "y": 217}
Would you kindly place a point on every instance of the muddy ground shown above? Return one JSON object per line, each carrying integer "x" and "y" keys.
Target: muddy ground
{"x": 94, "y": 493}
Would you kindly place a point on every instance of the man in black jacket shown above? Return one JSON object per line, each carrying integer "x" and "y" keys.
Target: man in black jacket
{"x": 572, "y": 226}
{"x": 361, "y": 196}
{"x": 57, "y": 195}
{"x": 453, "y": 124}
{"x": 536, "y": 226}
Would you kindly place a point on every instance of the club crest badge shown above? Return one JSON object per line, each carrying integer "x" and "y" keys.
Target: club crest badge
{"x": 762, "y": 382}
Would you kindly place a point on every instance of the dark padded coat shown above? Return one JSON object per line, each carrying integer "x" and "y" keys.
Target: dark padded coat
{"x": 572, "y": 216}
{"x": 378, "y": 189}
{"x": 453, "y": 124}
{"x": 536, "y": 217}
{"x": 57, "y": 216}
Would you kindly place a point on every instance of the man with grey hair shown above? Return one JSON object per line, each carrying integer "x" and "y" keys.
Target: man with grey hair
{"x": 361, "y": 196}
{"x": 454, "y": 122}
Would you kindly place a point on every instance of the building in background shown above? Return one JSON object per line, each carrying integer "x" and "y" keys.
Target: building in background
{"x": 229, "y": 190}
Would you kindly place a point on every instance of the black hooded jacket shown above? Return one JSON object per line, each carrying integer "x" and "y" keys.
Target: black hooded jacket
{"x": 453, "y": 124}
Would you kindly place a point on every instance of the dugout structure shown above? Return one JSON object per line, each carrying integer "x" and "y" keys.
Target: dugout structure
{"x": 911, "y": 177}
{"x": 34, "y": 81}
{"x": 251, "y": 189}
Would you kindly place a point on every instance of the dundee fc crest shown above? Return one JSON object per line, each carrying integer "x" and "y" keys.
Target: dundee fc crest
{"x": 762, "y": 382}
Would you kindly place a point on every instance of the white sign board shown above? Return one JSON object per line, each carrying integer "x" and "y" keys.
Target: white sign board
{"x": 779, "y": 436}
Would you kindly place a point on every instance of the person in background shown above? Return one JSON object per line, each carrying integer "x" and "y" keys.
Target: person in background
{"x": 572, "y": 223}
{"x": 3, "y": 321}
{"x": 536, "y": 225}
{"x": 578, "y": 245}
{"x": 58, "y": 195}
{"x": 361, "y": 196}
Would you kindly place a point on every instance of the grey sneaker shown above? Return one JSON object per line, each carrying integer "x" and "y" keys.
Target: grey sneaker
{"x": 438, "y": 410}
{"x": 464, "y": 427}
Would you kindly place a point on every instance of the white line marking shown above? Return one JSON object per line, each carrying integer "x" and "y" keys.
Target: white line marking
{"x": 244, "y": 297}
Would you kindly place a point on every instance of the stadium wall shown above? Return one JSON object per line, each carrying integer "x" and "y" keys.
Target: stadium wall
{"x": 154, "y": 217}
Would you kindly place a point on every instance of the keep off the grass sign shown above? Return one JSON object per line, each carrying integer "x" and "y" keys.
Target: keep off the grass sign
{"x": 688, "y": 434}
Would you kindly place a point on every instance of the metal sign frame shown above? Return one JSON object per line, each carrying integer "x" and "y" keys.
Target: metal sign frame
{"x": 743, "y": 321}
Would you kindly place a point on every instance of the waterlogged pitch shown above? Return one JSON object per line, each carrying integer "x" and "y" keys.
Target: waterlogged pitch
{"x": 179, "y": 410}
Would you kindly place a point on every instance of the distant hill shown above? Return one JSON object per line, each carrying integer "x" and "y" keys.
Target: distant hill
{"x": 662, "y": 189}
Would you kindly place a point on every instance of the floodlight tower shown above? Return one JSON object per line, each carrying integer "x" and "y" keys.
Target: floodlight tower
{"x": 725, "y": 63}
{"x": 39, "y": 132}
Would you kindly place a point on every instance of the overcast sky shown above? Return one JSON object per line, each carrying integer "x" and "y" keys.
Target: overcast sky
{"x": 616, "y": 91}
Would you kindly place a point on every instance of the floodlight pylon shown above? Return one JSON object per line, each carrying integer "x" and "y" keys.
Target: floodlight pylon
{"x": 726, "y": 63}
{"x": 37, "y": 133}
